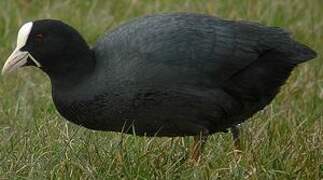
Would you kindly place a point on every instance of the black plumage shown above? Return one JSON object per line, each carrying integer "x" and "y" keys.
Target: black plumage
{"x": 165, "y": 75}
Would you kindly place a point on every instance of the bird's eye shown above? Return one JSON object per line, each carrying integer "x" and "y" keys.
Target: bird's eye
{"x": 39, "y": 37}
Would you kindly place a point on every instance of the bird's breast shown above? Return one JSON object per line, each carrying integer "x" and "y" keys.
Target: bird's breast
{"x": 166, "y": 112}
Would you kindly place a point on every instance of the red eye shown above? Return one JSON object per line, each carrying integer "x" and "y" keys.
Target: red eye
{"x": 39, "y": 36}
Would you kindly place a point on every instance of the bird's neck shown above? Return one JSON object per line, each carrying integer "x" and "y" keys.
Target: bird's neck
{"x": 71, "y": 74}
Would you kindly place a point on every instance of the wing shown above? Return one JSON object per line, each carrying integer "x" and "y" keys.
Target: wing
{"x": 187, "y": 49}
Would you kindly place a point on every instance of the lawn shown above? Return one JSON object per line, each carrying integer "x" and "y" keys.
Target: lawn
{"x": 284, "y": 141}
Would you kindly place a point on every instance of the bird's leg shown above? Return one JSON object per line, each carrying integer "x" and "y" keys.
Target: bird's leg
{"x": 235, "y": 130}
{"x": 197, "y": 147}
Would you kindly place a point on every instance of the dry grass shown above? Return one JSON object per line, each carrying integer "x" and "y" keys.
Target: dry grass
{"x": 285, "y": 141}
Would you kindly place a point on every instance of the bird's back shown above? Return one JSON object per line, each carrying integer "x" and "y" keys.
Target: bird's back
{"x": 181, "y": 47}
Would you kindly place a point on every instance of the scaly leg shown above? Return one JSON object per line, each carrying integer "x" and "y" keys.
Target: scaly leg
{"x": 197, "y": 147}
{"x": 235, "y": 130}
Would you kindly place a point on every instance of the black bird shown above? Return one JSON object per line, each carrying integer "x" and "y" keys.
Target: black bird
{"x": 175, "y": 74}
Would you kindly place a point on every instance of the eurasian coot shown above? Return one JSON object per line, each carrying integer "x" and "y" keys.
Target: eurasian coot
{"x": 176, "y": 74}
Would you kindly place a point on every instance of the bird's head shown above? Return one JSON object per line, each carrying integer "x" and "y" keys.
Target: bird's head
{"x": 51, "y": 45}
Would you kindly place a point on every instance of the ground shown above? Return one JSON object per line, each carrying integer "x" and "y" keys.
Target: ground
{"x": 285, "y": 141}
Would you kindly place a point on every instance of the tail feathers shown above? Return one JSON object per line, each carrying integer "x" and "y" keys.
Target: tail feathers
{"x": 281, "y": 41}
{"x": 302, "y": 53}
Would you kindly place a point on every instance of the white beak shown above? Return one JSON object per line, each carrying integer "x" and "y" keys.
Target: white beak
{"x": 19, "y": 58}
{"x": 16, "y": 59}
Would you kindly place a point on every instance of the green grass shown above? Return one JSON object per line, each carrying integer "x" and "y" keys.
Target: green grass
{"x": 285, "y": 141}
